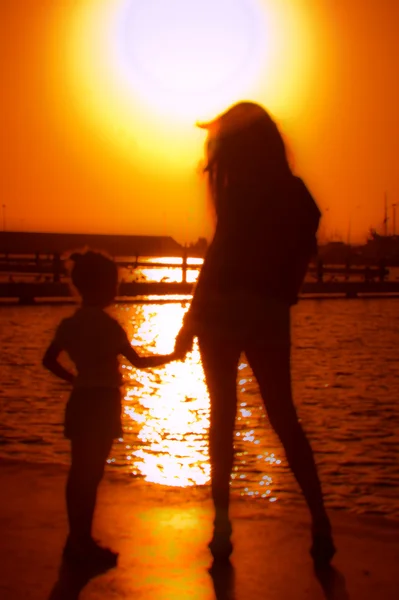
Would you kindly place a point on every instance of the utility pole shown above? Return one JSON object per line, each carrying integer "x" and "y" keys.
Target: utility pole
{"x": 348, "y": 240}
{"x": 386, "y": 215}
{"x": 394, "y": 219}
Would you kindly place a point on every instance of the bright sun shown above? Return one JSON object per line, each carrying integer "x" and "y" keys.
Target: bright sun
{"x": 186, "y": 58}
{"x": 143, "y": 72}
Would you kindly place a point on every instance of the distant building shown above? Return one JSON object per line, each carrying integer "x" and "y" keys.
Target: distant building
{"x": 25, "y": 242}
{"x": 334, "y": 252}
{"x": 384, "y": 247}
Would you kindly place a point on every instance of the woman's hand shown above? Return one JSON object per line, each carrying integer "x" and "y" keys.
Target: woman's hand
{"x": 184, "y": 343}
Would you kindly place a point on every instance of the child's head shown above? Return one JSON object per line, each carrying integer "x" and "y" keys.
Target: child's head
{"x": 95, "y": 276}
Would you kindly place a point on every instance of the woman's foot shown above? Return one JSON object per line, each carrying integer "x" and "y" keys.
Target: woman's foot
{"x": 89, "y": 554}
{"x": 323, "y": 548}
{"x": 220, "y": 544}
{"x": 220, "y": 547}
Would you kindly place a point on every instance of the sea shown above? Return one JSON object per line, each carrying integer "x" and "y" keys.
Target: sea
{"x": 345, "y": 371}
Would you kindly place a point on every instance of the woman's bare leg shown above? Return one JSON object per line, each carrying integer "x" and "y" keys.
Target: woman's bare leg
{"x": 272, "y": 370}
{"x": 220, "y": 362}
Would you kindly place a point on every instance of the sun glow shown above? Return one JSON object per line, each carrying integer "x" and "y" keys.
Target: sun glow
{"x": 145, "y": 71}
{"x": 184, "y": 58}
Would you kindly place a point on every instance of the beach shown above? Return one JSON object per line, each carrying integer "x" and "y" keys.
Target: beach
{"x": 162, "y": 536}
{"x": 154, "y": 505}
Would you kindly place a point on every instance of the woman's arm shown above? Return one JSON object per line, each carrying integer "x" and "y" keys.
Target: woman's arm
{"x": 50, "y": 362}
{"x": 184, "y": 339}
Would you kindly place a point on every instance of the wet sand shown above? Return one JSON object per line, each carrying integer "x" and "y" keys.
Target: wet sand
{"x": 162, "y": 535}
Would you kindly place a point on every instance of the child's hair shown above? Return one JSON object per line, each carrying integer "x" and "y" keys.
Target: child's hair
{"x": 95, "y": 276}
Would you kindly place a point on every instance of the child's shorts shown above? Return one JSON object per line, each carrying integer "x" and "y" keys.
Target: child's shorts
{"x": 93, "y": 411}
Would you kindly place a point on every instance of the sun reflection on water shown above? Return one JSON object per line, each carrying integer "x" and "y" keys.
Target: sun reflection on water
{"x": 166, "y": 413}
{"x": 170, "y": 404}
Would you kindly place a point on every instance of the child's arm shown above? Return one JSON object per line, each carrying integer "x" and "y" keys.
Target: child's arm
{"x": 50, "y": 362}
{"x": 144, "y": 362}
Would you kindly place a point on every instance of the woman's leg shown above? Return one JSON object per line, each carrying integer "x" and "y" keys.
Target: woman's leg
{"x": 88, "y": 458}
{"x": 220, "y": 361}
{"x": 272, "y": 369}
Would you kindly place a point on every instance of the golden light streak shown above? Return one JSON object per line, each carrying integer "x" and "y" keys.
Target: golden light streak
{"x": 173, "y": 406}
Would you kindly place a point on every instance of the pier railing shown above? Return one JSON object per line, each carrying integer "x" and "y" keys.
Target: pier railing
{"x": 27, "y": 278}
{"x": 55, "y": 267}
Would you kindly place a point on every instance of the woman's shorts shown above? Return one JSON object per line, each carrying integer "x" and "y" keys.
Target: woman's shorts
{"x": 243, "y": 317}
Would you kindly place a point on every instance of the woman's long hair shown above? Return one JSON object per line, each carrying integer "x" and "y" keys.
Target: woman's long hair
{"x": 245, "y": 154}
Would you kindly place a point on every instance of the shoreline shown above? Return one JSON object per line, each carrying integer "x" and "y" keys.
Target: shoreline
{"x": 247, "y": 507}
{"x": 163, "y": 547}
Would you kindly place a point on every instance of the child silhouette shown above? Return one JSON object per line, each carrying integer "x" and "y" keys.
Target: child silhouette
{"x": 93, "y": 340}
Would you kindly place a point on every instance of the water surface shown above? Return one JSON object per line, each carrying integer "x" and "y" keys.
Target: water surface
{"x": 346, "y": 386}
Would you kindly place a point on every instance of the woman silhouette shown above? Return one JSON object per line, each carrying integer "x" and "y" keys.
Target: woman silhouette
{"x": 266, "y": 223}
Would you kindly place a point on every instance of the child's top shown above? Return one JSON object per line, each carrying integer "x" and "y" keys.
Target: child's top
{"x": 93, "y": 340}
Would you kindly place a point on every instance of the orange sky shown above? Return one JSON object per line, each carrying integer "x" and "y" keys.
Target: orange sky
{"x": 98, "y": 132}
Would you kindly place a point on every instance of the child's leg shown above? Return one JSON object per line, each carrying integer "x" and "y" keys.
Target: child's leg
{"x": 88, "y": 457}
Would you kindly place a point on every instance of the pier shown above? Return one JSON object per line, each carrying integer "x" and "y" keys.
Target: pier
{"x": 30, "y": 279}
{"x": 29, "y": 293}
